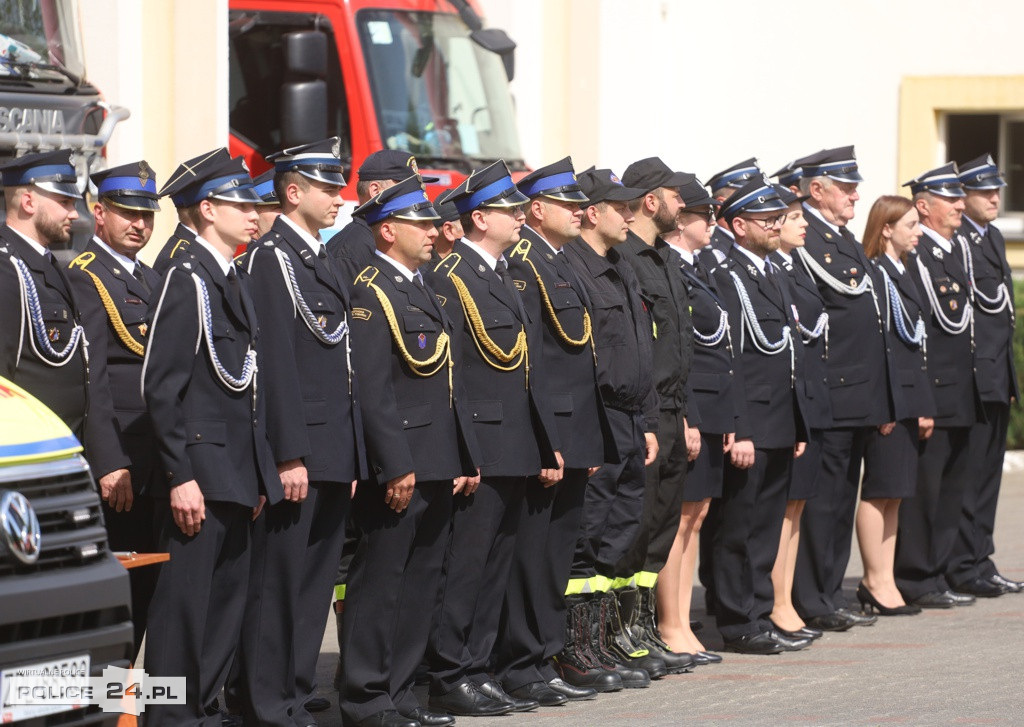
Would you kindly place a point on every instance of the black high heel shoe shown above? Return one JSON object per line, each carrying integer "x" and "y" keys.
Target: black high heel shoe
{"x": 869, "y": 604}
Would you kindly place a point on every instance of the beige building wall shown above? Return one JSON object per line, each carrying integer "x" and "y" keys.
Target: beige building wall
{"x": 166, "y": 61}
{"x": 705, "y": 85}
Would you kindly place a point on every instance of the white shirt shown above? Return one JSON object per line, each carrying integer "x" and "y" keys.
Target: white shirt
{"x": 41, "y": 249}
{"x": 315, "y": 243}
{"x": 946, "y": 245}
{"x": 410, "y": 275}
{"x": 897, "y": 262}
{"x": 759, "y": 262}
{"x": 685, "y": 254}
{"x": 491, "y": 261}
{"x": 126, "y": 261}
{"x": 821, "y": 217}
{"x": 785, "y": 256}
{"x": 225, "y": 265}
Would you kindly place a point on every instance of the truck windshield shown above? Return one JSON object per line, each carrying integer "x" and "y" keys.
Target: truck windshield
{"x": 437, "y": 93}
{"x": 40, "y": 41}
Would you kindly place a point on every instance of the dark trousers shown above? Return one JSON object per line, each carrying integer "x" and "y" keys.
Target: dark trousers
{"x": 135, "y": 530}
{"x": 974, "y": 546}
{"x": 393, "y": 584}
{"x": 826, "y": 529}
{"x": 751, "y": 512}
{"x": 295, "y": 549}
{"x": 929, "y": 521}
{"x": 614, "y": 502}
{"x": 195, "y": 619}
{"x": 477, "y": 565}
{"x": 663, "y": 499}
{"x": 533, "y": 623}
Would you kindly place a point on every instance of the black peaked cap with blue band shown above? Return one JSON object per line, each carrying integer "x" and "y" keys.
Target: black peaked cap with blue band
{"x": 652, "y": 173}
{"x": 185, "y": 175}
{"x": 491, "y": 186}
{"x": 404, "y": 201}
{"x": 264, "y": 187}
{"x": 445, "y": 208}
{"x": 51, "y": 171}
{"x": 735, "y": 176}
{"x": 943, "y": 181}
{"x": 757, "y": 195}
{"x": 131, "y": 186}
{"x": 603, "y": 185}
{"x": 839, "y": 164}
{"x": 981, "y": 173}
{"x": 215, "y": 176}
{"x": 695, "y": 194}
{"x": 319, "y": 161}
{"x": 556, "y": 181}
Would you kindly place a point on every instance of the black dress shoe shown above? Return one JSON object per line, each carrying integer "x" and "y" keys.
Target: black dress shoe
{"x": 572, "y": 693}
{"x": 859, "y": 619}
{"x": 317, "y": 704}
{"x": 981, "y": 587}
{"x": 835, "y": 621}
{"x": 762, "y": 643}
{"x": 1010, "y": 586}
{"x": 788, "y": 643}
{"x": 468, "y": 701}
{"x": 934, "y": 600}
{"x": 387, "y": 718}
{"x": 801, "y": 633}
{"x": 540, "y": 693}
{"x": 961, "y": 599}
{"x": 709, "y": 657}
{"x": 492, "y": 689}
{"x": 429, "y": 719}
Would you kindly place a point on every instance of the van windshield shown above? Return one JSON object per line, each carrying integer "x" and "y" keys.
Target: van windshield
{"x": 40, "y": 41}
{"x": 437, "y": 94}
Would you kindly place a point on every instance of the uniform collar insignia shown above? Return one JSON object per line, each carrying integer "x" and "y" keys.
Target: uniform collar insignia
{"x": 937, "y": 253}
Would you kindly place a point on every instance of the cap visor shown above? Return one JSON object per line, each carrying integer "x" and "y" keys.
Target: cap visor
{"x": 336, "y": 179}
{"x": 848, "y": 177}
{"x": 423, "y": 213}
{"x": 66, "y": 189}
{"x": 239, "y": 194}
{"x": 567, "y": 196}
{"x": 132, "y": 202}
{"x": 515, "y": 199}
{"x": 678, "y": 179}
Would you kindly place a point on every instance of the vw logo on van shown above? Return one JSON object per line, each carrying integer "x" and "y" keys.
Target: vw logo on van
{"x": 19, "y": 526}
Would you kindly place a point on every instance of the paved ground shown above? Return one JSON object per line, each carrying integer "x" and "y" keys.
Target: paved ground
{"x": 959, "y": 667}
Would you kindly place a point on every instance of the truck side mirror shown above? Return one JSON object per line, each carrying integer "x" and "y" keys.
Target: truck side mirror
{"x": 497, "y": 41}
{"x": 304, "y": 91}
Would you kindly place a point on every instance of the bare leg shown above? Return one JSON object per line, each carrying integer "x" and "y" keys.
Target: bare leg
{"x": 784, "y": 615}
{"x": 876, "y": 536}
{"x": 675, "y": 582}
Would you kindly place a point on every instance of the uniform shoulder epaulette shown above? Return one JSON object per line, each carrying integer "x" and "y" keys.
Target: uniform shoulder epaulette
{"x": 82, "y": 261}
{"x": 448, "y": 264}
{"x": 522, "y": 249}
{"x": 367, "y": 276}
{"x": 181, "y": 245}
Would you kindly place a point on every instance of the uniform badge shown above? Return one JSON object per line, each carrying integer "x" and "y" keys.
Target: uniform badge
{"x": 398, "y": 278}
{"x": 853, "y": 282}
{"x": 361, "y": 313}
{"x": 322, "y": 320}
{"x": 956, "y": 287}
{"x": 441, "y": 299}
{"x": 520, "y": 284}
{"x": 53, "y": 334}
{"x": 953, "y": 305}
{"x": 336, "y": 148}
{"x": 116, "y": 271}
{"x": 937, "y": 253}
{"x": 942, "y": 289}
{"x": 421, "y": 340}
{"x": 549, "y": 256}
{"x": 828, "y": 235}
{"x": 481, "y": 268}
{"x": 143, "y": 329}
{"x": 143, "y": 173}
{"x": 752, "y": 270}
{"x": 828, "y": 258}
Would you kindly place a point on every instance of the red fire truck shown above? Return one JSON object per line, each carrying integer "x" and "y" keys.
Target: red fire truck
{"x": 418, "y": 75}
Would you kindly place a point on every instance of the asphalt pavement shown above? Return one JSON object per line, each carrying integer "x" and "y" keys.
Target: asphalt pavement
{"x": 959, "y": 667}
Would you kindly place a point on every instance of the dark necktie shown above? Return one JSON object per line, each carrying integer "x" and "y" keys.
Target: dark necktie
{"x": 235, "y": 291}
{"x": 140, "y": 276}
{"x": 502, "y": 270}
{"x": 322, "y": 254}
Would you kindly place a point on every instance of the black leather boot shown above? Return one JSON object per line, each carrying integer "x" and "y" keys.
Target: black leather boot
{"x": 574, "y": 663}
{"x": 619, "y": 607}
{"x": 644, "y": 630}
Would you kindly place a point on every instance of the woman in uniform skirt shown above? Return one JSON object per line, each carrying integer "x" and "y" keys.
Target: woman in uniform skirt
{"x": 890, "y": 458}
{"x": 812, "y": 389}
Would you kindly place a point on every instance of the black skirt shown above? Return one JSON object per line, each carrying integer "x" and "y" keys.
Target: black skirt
{"x": 704, "y": 474}
{"x": 890, "y": 463}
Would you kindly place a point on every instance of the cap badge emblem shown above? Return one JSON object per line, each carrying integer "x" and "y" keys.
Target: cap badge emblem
{"x": 413, "y": 165}
{"x": 336, "y": 148}
{"x": 613, "y": 178}
{"x": 143, "y": 173}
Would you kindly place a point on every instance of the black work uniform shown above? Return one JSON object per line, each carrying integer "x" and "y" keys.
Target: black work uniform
{"x": 613, "y": 504}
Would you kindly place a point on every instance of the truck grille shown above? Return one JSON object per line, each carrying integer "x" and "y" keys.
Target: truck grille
{"x": 70, "y": 517}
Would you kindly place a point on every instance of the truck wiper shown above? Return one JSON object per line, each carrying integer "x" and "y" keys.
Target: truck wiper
{"x": 23, "y": 67}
